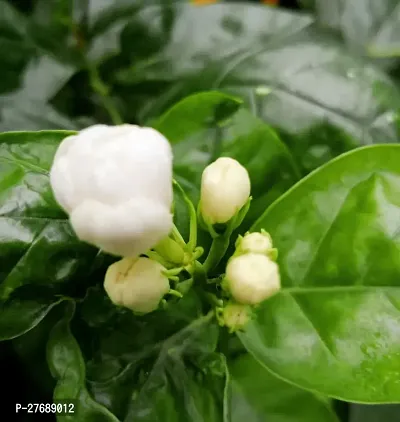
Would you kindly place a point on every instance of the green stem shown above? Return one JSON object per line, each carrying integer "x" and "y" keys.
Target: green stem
{"x": 175, "y": 293}
{"x": 198, "y": 252}
{"x": 199, "y": 274}
{"x": 173, "y": 271}
{"x": 214, "y": 300}
{"x": 192, "y": 215}
{"x": 156, "y": 257}
{"x": 216, "y": 280}
{"x": 102, "y": 90}
{"x": 217, "y": 251}
{"x": 178, "y": 237}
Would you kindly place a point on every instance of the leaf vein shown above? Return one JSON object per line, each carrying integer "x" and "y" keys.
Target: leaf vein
{"x": 26, "y": 165}
{"x": 44, "y": 219}
{"x": 323, "y": 340}
{"x": 392, "y": 302}
{"x": 3, "y": 286}
{"x": 322, "y": 240}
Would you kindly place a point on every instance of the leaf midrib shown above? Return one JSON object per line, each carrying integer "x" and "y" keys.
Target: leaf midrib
{"x": 44, "y": 219}
{"x": 26, "y": 165}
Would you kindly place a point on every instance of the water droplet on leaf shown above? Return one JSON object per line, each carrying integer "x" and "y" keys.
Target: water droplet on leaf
{"x": 263, "y": 90}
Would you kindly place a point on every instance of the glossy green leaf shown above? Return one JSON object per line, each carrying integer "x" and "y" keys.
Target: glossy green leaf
{"x": 258, "y": 396}
{"x": 169, "y": 367}
{"x": 111, "y": 338}
{"x": 42, "y": 79}
{"x": 39, "y": 55}
{"x": 68, "y": 368}
{"x": 33, "y": 227}
{"x": 187, "y": 379}
{"x": 25, "y": 310}
{"x": 291, "y": 74}
{"x": 55, "y": 26}
{"x": 335, "y": 326}
{"x": 14, "y": 48}
{"x": 22, "y": 113}
{"x": 31, "y": 351}
{"x": 196, "y": 113}
{"x": 34, "y": 230}
{"x": 370, "y": 26}
{"x": 107, "y": 20}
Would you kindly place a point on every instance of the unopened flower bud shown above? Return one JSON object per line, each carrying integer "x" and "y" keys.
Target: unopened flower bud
{"x": 235, "y": 316}
{"x": 170, "y": 250}
{"x": 252, "y": 278}
{"x": 136, "y": 283}
{"x": 115, "y": 183}
{"x": 260, "y": 243}
{"x": 225, "y": 188}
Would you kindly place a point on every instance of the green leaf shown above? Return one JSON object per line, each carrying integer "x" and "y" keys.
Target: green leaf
{"x": 364, "y": 413}
{"x": 111, "y": 336}
{"x": 14, "y": 48}
{"x": 34, "y": 230}
{"x": 169, "y": 367}
{"x": 335, "y": 326}
{"x": 21, "y": 113}
{"x": 367, "y": 26}
{"x": 56, "y": 20}
{"x": 25, "y": 310}
{"x": 38, "y": 60}
{"x": 68, "y": 368}
{"x": 292, "y": 75}
{"x": 186, "y": 381}
{"x": 107, "y": 20}
{"x": 196, "y": 113}
{"x": 258, "y": 396}
{"x": 42, "y": 79}
{"x": 31, "y": 351}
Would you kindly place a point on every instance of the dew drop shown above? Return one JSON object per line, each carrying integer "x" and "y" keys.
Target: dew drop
{"x": 351, "y": 74}
{"x": 263, "y": 90}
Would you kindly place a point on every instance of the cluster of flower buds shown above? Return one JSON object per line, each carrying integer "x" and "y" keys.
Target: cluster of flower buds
{"x": 116, "y": 185}
{"x": 251, "y": 277}
{"x": 252, "y": 274}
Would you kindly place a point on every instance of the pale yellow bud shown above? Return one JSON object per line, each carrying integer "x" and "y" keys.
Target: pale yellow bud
{"x": 236, "y": 316}
{"x": 260, "y": 243}
{"x": 225, "y": 188}
{"x": 252, "y": 278}
{"x": 136, "y": 283}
